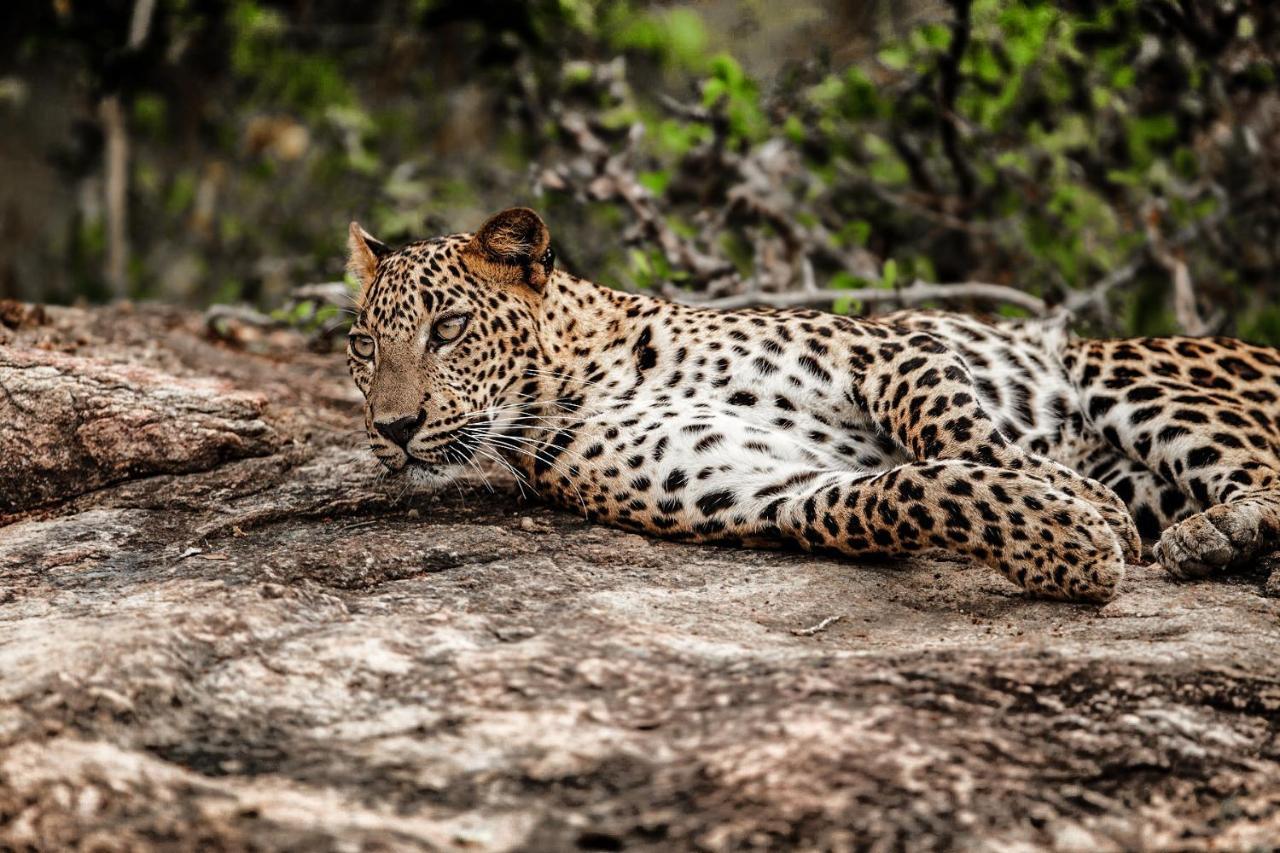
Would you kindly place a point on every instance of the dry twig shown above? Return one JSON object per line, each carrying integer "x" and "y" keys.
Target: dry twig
{"x": 1185, "y": 308}
{"x": 915, "y": 293}
{"x": 813, "y": 629}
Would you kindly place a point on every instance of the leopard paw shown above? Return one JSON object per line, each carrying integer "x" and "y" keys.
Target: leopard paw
{"x": 1105, "y": 501}
{"x": 1079, "y": 559}
{"x": 1203, "y": 544}
{"x": 1121, "y": 524}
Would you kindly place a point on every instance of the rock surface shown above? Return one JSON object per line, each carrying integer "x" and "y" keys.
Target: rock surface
{"x": 233, "y": 633}
{"x": 75, "y": 424}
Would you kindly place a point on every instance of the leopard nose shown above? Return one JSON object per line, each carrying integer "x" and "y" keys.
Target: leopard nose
{"x": 401, "y": 430}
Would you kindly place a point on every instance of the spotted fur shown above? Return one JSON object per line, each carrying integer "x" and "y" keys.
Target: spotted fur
{"x": 1013, "y": 444}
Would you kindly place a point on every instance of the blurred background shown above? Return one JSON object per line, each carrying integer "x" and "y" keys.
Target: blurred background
{"x": 1117, "y": 157}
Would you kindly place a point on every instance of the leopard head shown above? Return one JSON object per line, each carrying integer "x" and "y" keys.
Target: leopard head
{"x": 444, "y": 333}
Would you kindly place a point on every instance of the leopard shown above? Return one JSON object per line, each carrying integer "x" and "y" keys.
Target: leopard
{"x": 1051, "y": 458}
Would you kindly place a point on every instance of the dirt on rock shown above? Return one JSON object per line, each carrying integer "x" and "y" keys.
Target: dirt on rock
{"x": 222, "y": 628}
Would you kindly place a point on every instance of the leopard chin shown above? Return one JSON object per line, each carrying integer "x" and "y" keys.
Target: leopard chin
{"x": 428, "y": 475}
{"x": 418, "y": 473}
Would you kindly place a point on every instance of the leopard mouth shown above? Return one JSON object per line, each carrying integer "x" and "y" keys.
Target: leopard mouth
{"x": 456, "y": 449}
{"x": 418, "y": 472}
{"x": 446, "y": 453}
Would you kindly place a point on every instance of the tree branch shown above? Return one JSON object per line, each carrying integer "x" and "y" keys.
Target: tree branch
{"x": 1185, "y": 308}
{"x": 1094, "y": 296}
{"x": 116, "y": 163}
{"x": 916, "y": 292}
{"x": 949, "y": 86}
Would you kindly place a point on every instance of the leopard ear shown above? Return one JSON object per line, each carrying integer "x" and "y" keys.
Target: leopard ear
{"x": 513, "y": 247}
{"x": 363, "y": 254}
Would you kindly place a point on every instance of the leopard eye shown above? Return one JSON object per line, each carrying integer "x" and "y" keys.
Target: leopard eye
{"x": 449, "y": 328}
{"x": 361, "y": 346}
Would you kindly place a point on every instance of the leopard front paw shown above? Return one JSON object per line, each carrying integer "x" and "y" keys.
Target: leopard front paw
{"x": 1105, "y": 501}
{"x": 1074, "y": 557}
{"x": 1121, "y": 524}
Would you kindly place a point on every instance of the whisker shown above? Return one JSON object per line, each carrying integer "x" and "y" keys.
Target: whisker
{"x": 568, "y": 377}
{"x": 449, "y": 456}
{"x": 471, "y": 460}
{"x": 541, "y": 444}
{"x": 521, "y": 407}
{"x": 520, "y": 480}
{"x": 550, "y": 463}
{"x": 474, "y": 465}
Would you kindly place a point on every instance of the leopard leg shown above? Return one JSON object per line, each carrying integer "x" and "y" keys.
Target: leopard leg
{"x": 920, "y": 392}
{"x": 1205, "y": 416}
{"x": 1044, "y": 540}
{"x": 712, "y": 478}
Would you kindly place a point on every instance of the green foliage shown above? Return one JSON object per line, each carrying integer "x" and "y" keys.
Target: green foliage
{"x": 1048, "y": 141}
{"x": 289, "y": 78}
{"x": 1039, "y": 155}
{"x": 731, "y": 91}
{"x": 676, "y": 37}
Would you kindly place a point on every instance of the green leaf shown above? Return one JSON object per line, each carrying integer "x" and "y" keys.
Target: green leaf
{"x": 655, "y": 182}
{"x": 846, "y": 281}
{"x": 889, "y": 274}
{"x": 936, "y": 36}
{"x": 895, "y": 56}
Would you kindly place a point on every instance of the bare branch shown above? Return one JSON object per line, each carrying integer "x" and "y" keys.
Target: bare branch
{"x": 115, "y": 189}
{"x": 333, "y": 293}
{"x": 813, "y": 629}
{"x": 1184, "y": 295}
{"x": 692, "y": 112}
{"x": 912, "y": 207}
{"x": 215, "y": 315}
{"x": 140, "y": 22}
{"x": 763, "y": 197}
{"x": 1094, "y": 297}
{"x": 613, "y": 180}
{"x": 949, "y": 87}
{"x": 916, "y": 292}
